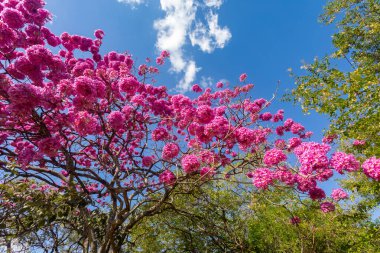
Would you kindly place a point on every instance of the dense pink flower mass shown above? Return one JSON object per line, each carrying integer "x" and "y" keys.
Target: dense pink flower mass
{"x": 327, "y": 207}
{"x": 170, "y": 151}
{"x": 49, "y": 146}
{"x": 99, "y": 125}
{"x": 274, "y": 157}
{"x": 85, "y": 123}
{"x": 371, "y": 167}
{"x": 116, "y": 120}
{"x": 262, "y": 178}
{"x": 190, "y": 163}
{"x": 160, "y": 134}
{"x": 339, "y": 194}
{"x": 342, "y": 161}
{"x": 167, "y": 177}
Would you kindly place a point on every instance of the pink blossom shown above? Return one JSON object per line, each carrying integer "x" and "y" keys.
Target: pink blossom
{"x": 160, "y": 134}
{"x": 371, "y": 167}
{"x": 285, "y": 176}
{"x": 196, "y": 88}
{"x": 170, "y": 151}
{"x": 205, "y": 114}
{"x": 64, "y": 173}
{"x": 38, "y": 54}
{"x": 274, "y": 157}
{"x": 266, "y": 116}
{"x": 243, "y": 77}
{"x": 294, "y": 142}
{"x": 296, "y": 128}
{"x": 278, "y": 116}
{"x": 245, "y": 137}
{"x": 167, "y": 177}
{"x": 160, "y": 60}
{"x": 219, "y": 85}
{"x": 99, "y": 34}
{"x": 190, "y": 163}
{"x": 295, "y": 220}
{"x": 341, "y": 161}
{"x": 85, "y": 87}
{"x": 280, "y": 144}
{"x": 327, "y": 207}
{"x": 262, "y": 178}
{"x": 7, "y": 36}
{"x": 317, "y": 193}
{"x": 26, "y": 153}
{"x": 116, "y": 120}
{"x": 288, "y": 123}
{"x": 329, "y": 139}
{"x": 147, "y": 161}
{"x": 49, "y": 146}
{"x": 13, "y": 18}
{"x": 359, "y": 142}
{"x": 128, "y": 85}
{"x": 32, "y": 6}
{"x": 85, "y": 123}
{"x": 338, "y": 194}
{"x": 312, "y": 155}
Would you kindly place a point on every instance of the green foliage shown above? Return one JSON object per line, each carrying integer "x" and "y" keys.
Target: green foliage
{"x": 345, "y": 84}
{"x": 345, "y": 230}
{"x": 208, "y": 219}
{"x": 220, "y": 220}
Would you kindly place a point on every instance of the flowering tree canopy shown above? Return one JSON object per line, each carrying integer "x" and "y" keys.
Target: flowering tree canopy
{"x": 93, "y": 127}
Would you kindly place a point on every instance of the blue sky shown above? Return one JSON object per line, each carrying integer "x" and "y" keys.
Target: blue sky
{"x": 211, "y": 40}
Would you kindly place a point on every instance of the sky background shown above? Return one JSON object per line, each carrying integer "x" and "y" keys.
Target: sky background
{"x": 211, "y": 40}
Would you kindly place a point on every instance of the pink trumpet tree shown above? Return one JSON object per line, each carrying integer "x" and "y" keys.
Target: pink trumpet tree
{"x": 93, "y": 125}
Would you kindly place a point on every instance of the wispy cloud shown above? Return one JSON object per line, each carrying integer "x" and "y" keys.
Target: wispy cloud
{"x": 213, "y": 3}
{"x": 180, "y": 25}
{"x": 132, "y": 3}
{"x": 210, "y": 36}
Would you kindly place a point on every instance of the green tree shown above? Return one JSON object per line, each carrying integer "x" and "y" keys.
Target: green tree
{"x": 345, "y": 85}
{"x": 217, "y": 219}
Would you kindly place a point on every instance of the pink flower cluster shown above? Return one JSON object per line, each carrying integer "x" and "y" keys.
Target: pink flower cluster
{"x": 359, "y": 142}
{"x": 147, "y": 161}
{"x": 49, "y": 146}
{"x": 327, "y": 207}
{"x": 170, "y": 151}
{"x": 371, "y": 167}
{"x": 312, "y": 156}
{"x": 190, "y": 163}
{"x": 339, "y": 194}
{"x": 167, "y": 177}
{"x": 262, "y": 178}
{"x": 341, "y": 161}
{"x": 295, "y": 220}
{"x": 274, "y": 156}
{"x": 116, "y": 120}
{"x": 85, "y": 123}
{"x": 160, "y": 134}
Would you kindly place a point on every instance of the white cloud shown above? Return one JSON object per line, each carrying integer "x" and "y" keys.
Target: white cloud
{"x": 213, "y": 3}
{"x": 189, "y": 77}
{"x": 132, "y": 2}
{"x": 172, "y": 33}
{"x": 211, "y": 37}
{"x": 180, "y": 24}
